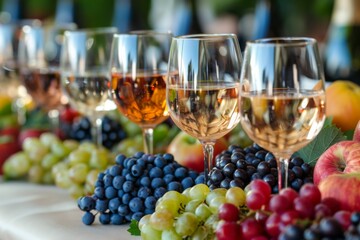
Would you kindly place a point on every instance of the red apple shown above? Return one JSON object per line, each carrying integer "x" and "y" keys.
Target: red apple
{"x": 188, "y": 151}
{"x": 344, "y": 188}
{"x": 342, "y": 157}
{"x": 30, "y": 132}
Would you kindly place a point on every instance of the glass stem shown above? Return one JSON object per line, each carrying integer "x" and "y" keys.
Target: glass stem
{"x": 208, "y": 149}
{"x": 148, "y": 140}
{"x": 96, "y": 131}
{"x": 283, "y": 167}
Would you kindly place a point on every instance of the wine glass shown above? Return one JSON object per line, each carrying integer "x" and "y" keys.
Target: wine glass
{"x": 203, "y": 88}
{"x": 138, "y": 68}
{"x": 38, "y": 63}
{"x": 84, "y": 68}
{"x": 282, "y": 96}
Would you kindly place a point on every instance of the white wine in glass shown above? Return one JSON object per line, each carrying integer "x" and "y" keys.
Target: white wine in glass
{"x": 203, "y": 88}
{"x": 85, "y": 76}
{"x": 282, "y": 96}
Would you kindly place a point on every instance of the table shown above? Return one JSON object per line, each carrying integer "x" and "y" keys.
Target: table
{"x": 37, "y": 212}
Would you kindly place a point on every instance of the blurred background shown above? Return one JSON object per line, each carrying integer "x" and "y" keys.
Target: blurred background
{"x": 247, "y": 18}
{"x": 334, "y": 23}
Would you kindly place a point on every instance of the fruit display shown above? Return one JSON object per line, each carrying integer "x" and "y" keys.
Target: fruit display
{"x": 129, "y": 189}
{"x": 163, "y": 196}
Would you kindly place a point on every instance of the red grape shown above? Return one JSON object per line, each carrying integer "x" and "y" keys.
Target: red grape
{"x": 343, "y": 217}
{"x": 289, "y": 193}
{"x": 250, "y": 228}
{"x": 332, "y": 203}
{"x": 304, "y": 207}
{"x": 279, "y": 204}
{"x": 255, "y": 200}
{"x": 322, "y": 210}
{"x": 274, "y": 225}
{"x": 289, "y": 217}
{"x": 261, "y": 186}
{"x": 228, "y": 212}
{"x": 228, "y": 231}
{"x": 311, "y": 192}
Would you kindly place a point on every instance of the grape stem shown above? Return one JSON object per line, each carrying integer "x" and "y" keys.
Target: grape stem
{"x": 208, "y": 149}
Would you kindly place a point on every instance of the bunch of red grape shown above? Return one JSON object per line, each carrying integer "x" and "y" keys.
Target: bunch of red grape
{"x": 287, "y": 215}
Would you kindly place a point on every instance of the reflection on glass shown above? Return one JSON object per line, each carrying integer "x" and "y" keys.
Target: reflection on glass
{"x": 282, "y": 96}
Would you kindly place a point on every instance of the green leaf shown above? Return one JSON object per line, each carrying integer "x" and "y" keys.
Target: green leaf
{"x": 328, "y": 136}
{"x": 134, "y": 228}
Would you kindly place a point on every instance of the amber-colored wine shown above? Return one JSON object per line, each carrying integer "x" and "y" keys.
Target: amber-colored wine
{"x": 43, "y": 85}
{"x": 142, "y": 99}
{"x": 284, "y": 122}
{"x": 207, "y": 112}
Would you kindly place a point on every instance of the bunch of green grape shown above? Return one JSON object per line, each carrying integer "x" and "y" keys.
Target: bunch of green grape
{"x": 192, "y": 213}
{"x": 67, "y": 164}
{"x": 34, "y": 163}
{"x": 79, "y": 171}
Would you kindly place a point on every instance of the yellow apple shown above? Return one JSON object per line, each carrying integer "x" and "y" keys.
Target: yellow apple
{"x": 343, "y": 104}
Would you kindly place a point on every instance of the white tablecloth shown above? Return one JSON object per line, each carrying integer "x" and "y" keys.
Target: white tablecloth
{"x": 37, "y": 212}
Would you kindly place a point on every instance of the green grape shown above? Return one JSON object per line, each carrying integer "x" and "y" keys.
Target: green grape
{"x": 17, "y": 165}
{"x": 35, "y": 174}
{"x": 170, "y": 234}
{"x": 192, "y": 205}
{"x": 79, "y": 156}
{"x": 186, "y": 224}
{"x": 78, "y": 173}
{"x": 59, "y": 149}
{"x": 76, "y": 190}
{"x": 216, "y": 202}
{"x": 215, "y": 193}
{"x": 201, "y": 233}
{"x": 161, "y": 220}
{"x": 199, "y": 191}
{"x": 212, "y": 222}
{"x": 59, "y": 167}
{"x": 172, "y": 205}
{"x": 71, "y": 144}
{"x": 186, "y": 193}
{"x": 87, "y": 146}
{"x": 236, "y": 196}
{"x": 99, "y": 159}
{"x": 92, "y": 176}
{"x": 129, "y": 146}
{"x": 49, "y": 161}
{"x": 181, "y": 198}
{"x": 203, "y": 212}
{"x": 88, "y": 189}
{"x": 35, "y": 149}
{"x": 62, "y": 179}
{"x": 143, "y": 221}
{"x": 47, "y": 178}
{"x": 48, "y": 139}
{"x": 149, "y": 233}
